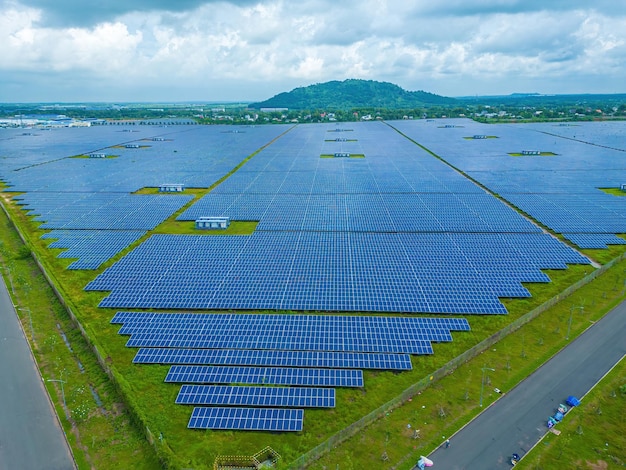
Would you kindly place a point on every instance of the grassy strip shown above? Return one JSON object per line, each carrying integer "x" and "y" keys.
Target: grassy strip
{"x": 93, "y": 416}
{"x": 446, "y": 405}
{"x": 592, "y": 435}
{"x": 152, "y": 401}
{"x": 613, "y": 191}
{"x": 541, "y": 154}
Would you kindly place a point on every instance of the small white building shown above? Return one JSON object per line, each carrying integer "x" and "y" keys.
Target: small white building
{"x": 205, "y": 223}
{"x": 623, "y": 187}
{"x": 132, "y": 146}
{"x": 531, "y": 152}
{"x": 479, "y": 136}
{"x": 97, "y": 155}
{"x": 342, "y": 154}
{"x": 171, "y": 188}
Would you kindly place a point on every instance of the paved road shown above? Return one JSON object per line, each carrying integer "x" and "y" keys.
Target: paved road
{"x": 517, "y": 421}
{"x": 30, "y": 435}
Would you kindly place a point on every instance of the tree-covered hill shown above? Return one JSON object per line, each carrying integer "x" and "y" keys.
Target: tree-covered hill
{"x": 353, "y": 93}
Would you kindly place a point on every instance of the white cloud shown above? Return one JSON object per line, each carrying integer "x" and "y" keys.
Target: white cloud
{"x": 490, "y": 46}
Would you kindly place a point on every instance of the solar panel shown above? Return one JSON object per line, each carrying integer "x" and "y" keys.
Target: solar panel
{"x": 291, "y": 397}
{"x": 247, "y": 419}
{"x": 265, "y": 376}
{"x": 594, "y": 240}
{"x": 269, "y": 358}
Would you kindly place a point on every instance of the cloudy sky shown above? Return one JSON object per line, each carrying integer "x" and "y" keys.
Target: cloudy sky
{"x": 205, "y": 50}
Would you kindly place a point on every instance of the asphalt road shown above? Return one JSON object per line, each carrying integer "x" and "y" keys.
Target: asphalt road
{"x": 30, "y": 435}
{"x": 517, "y": 421}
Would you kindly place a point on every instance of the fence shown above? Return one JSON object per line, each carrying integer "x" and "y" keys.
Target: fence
{"x": 346, "y": 433}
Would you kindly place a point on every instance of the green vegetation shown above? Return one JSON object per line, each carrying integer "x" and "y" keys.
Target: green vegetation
{"x": 541, "y": 154}
{"x": 332, "y": 155}
{"x": 592, "y": 434}
{"x": 350, "y": 94}
{"x": 87, "y": 156}
{"x": 613, "y": 191}
{"x": 236, "y": 227}
{"x": 95, "y": 418}
{"x": 151, "y": 403}
{"x": 446, "y": 405}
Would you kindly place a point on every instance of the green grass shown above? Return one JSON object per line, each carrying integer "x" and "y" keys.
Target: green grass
{"x": 100, "y": 436}
{"x": 449, "y": 403}
{"x": 352, "y": 155}
{"x": 541, "y": 154}
{"x": 592, "y": 434}
{"x": 613, "y": 191}
{"x": 486, "y": 137}
{"x": 236, "y": 227}
{"x": 152, "y": 403}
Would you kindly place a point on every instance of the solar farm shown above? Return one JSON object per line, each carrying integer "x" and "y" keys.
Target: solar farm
{"x": 356, "y": 266}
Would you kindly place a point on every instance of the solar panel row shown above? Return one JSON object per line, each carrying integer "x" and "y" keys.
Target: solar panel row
{"x": 273, "y": 358}
{"x": 265, "y": 376}
{"x": 290, "y": 397}
{"x": 92, "y": 247}
{"x": 400, "y": 272}
{"x": 594, "y": 240}
{"x": 248, "y": 419}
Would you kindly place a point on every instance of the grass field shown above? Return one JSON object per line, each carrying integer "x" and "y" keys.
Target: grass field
{"x": 592, "y": 434}
{"x": 447, "y": 404}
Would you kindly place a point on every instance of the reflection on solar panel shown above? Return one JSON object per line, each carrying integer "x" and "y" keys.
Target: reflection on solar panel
{"x": 271, "y": 358}
{"x": 292, "y": 397}
{"x": 247, "y": 419}
{"x": 265, "y": 376}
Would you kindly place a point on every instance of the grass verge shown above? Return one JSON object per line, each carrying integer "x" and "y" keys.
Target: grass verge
{"x": 592, "y": 435}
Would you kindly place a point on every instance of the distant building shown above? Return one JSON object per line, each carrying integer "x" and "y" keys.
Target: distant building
{"x": 342, "y": 154}
{"x": 205, "y": 223}
{"x": 97, "y": 155}
{"x": 479, "y": 136}
{"x": 132, "y": 146}
{"x": 531, "y": 152}
{"x": 171, "y": 188}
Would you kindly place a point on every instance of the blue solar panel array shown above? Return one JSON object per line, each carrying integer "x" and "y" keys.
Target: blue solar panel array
{"x": 594, "y": 240}
{"x": 373, "y": 212}
{"x": 265, "y": 376}
{"x": 562, "y": 190}
{"x": 273, "y": 358}
{"x": 196, "y": 156}
{"x": 290, "y": 397}
{"x": 288, "y": 332}
{"x": 393, "y": 272}
{"x": 96, "y": 211}
{"x": 247, "y": 419}
{"x": 91, "y": 247}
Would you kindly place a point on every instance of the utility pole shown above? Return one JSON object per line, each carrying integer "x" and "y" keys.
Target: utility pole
{"x": 482, "y": 383}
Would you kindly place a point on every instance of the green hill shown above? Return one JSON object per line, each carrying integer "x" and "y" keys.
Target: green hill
{"x": 353, "y": 93}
